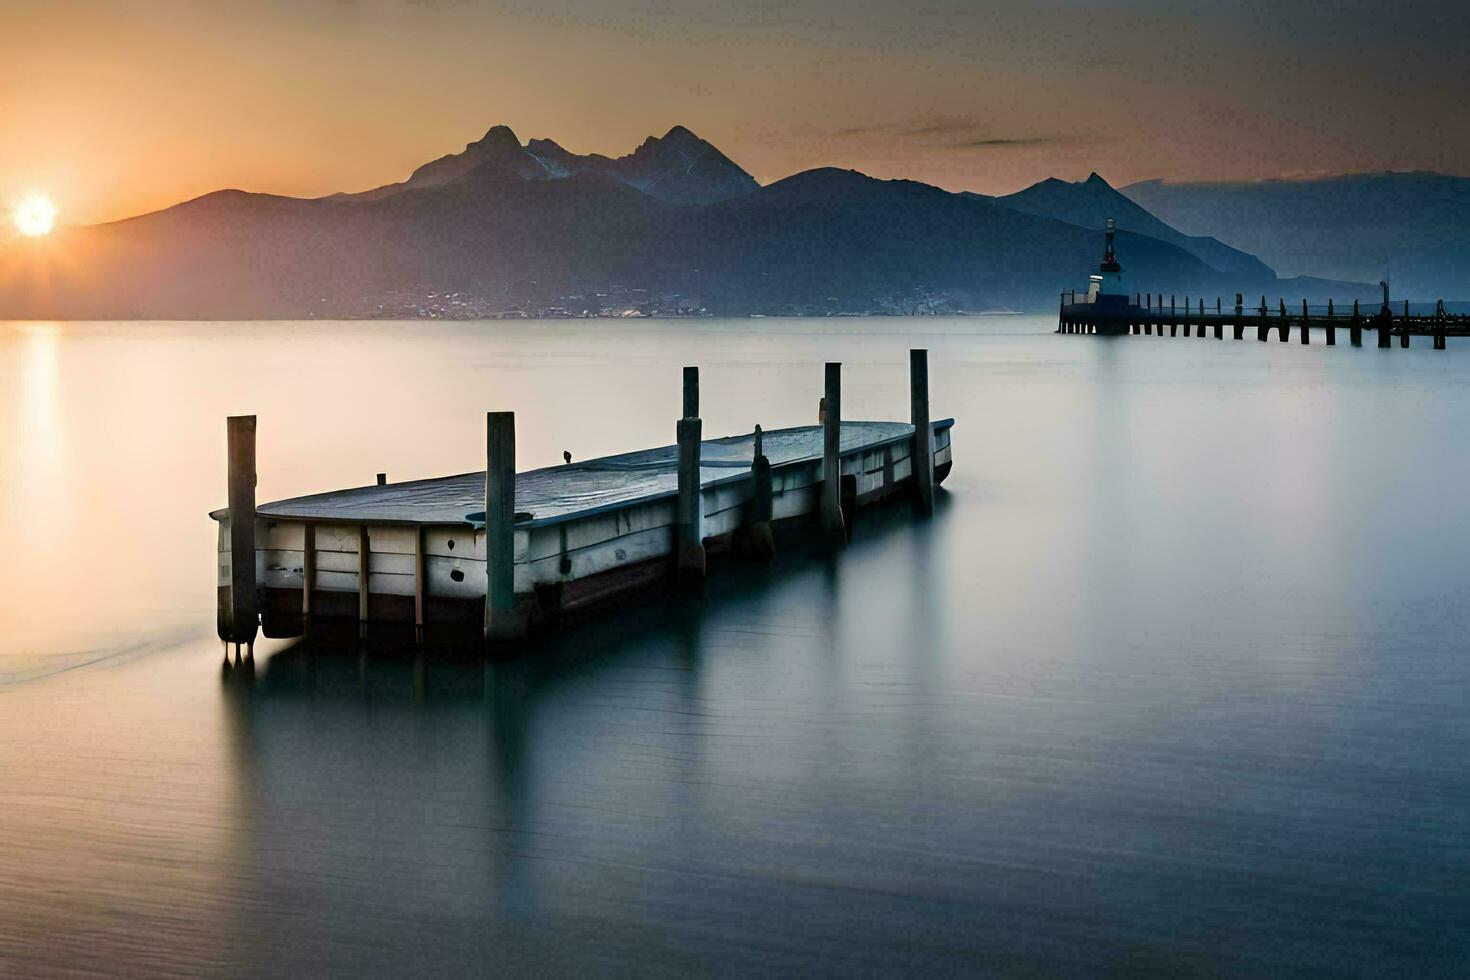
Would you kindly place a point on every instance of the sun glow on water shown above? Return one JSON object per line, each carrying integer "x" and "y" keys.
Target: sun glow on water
{"x": 35, "y": 215}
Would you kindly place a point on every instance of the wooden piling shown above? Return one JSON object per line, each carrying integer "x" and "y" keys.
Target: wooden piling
{"x": 420, "y": 584}
{"x": 1355, "y": 327}
{"x": 1285, "y": 323}
{"x": 691, "y": 393}
{"x": 847, "y": 500}
{"x": 1219, "y": 324}
{"x": 308, "y": 573}
{"x": 689, "y": 509}
{"x": 923, "y": 448}
{"x": 758, "y": 537}
{"x": 1186, "y": 316}
{"x": 1331, "y": 326}
{"x": 1306, "y": 334}
{"x": 831, "y": 503}
{"x": 1173, "y": 319}
{"x": 238, "y": 607}
{"x": 364, "y": 553}
{"x": 1404, "y": 337}
{"x": 382, "y": 479}
{"x": 503, "y": 621}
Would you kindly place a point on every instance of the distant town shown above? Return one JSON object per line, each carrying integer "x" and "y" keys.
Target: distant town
{"x": 624, "y": 302}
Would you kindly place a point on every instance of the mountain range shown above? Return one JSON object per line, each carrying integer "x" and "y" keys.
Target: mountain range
{"x": 506, "y": 228}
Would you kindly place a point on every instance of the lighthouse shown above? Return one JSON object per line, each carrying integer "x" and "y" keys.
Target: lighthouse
{"x": 1108, "y": 280}
{"x": 1109, "y": 269}
{"x": 1107, "y": 308}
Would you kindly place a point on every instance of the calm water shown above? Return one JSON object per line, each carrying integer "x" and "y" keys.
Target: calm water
{"x": 1175, "y": 681}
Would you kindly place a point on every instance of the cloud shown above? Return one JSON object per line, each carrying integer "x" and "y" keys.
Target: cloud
{"x": 951, "y": 134}
{"x": 1011, "y": 141}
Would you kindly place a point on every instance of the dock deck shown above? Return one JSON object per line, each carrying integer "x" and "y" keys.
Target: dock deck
{"x": 576, "y": 490}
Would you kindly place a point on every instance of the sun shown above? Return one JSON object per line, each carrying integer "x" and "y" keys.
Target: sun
{"x": 35, "y": 215}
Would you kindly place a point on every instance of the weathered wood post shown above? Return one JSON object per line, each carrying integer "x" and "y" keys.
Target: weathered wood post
{"x": 1331, "y": 325}
{"x": 689, "y": 508}
{"x": 691, "y": 393}
{"x": 1219, "y": 323}
{"x": 364, "y": 579}
{"x": 503, "y": 621}
{"x": 238, "y": 611}
{"x": 1261, "y": 324}
{"x": 1306, "y": 334}
{"x": 1404, "y": 337}
{"x": 420, "y": 584}
{"x": 759, "y": 540}
{"x": 1439, "y": 318}
{"x": 1355, "y": 327}
{"x": 923, "y": 450}
{"x": 1239, "y": 328}
{"x": 382, "y": 479}
{"x": 1173, "y": 319}
{"x": 308, "y": 573}
{"x": 1285, "y": 323}
{"x": 1061, "y": 310}
{"x": 1186, "y": 316}
{"x": 1384, "y": 319}
{"x": 831, "y": 503}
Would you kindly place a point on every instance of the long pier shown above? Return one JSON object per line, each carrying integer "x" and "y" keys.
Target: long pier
{"x": 1150, "y": 315}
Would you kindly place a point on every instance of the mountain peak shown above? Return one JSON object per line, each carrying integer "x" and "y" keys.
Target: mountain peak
{"x": 681, "y": 134}
{"x": 678, "y": 167}
{"x": 497, "y": 137}
{"x": 1094, "y": 179}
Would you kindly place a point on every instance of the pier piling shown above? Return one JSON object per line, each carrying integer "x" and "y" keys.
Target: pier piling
{"x": 503, "y": 621}
{"x": 364, "y": 577}
{"x": 689, "y": 516}
{"x": 1331, "y": 326}
{"x": 1306, "y": 334}
{"x": 1355, "y": 328}
{"x": 691, "y": 393}
{"x": 923, "y": 451}
{"x": 1404, "y": 337}
{"x": 831, "y": 503}
{"x": 238, "y": 608}
{"x": 758, "y": 537}
{"x": 308, "y": 573}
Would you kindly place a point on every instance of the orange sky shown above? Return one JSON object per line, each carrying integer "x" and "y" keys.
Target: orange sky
{"x": 113, "y": 107}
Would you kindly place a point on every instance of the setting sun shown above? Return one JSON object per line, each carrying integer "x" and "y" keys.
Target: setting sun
{"x": 34, "y": 215}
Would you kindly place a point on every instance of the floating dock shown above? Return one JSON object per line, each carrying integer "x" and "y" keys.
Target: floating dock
{"x": 506, "y": 552}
